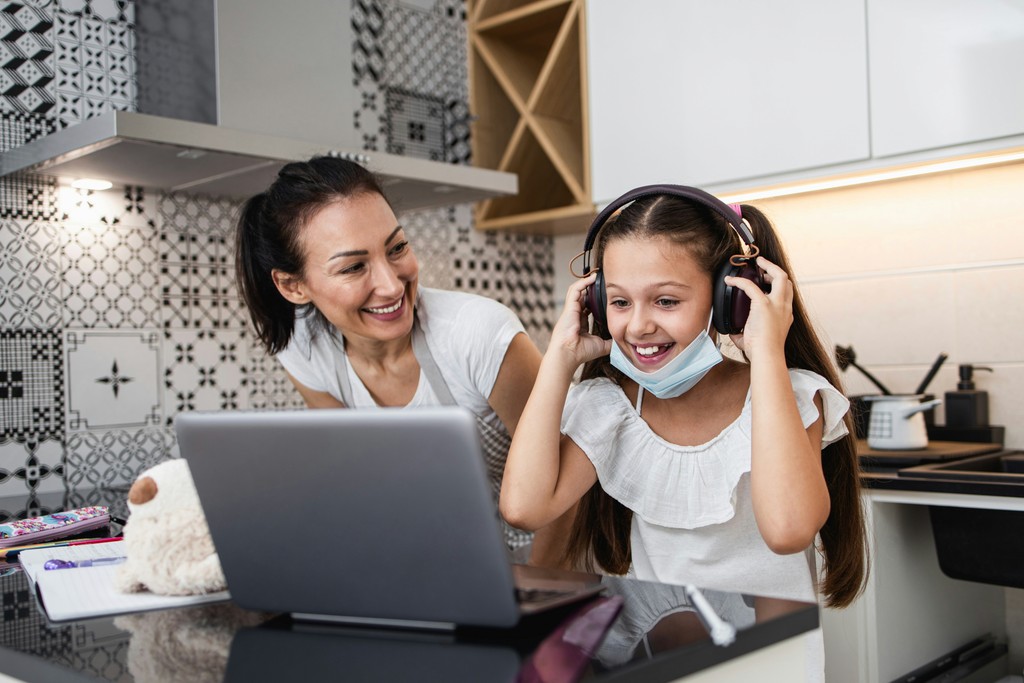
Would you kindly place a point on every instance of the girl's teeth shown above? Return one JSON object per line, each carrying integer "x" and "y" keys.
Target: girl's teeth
{"x": 383, "y": 311}
{"x": 647, "y": 350}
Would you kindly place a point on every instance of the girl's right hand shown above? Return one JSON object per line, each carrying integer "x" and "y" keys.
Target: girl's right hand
{"x": 571, "y": 338}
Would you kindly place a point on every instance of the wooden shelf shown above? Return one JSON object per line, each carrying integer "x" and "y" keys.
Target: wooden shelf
{"x": 528, "y": 98}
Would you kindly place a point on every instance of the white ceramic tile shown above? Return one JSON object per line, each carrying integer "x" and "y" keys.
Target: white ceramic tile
{"x": 986, "y": 222}
{"x": 990, "y": 321}
{"x": 866, "y": 229}
{"x": 1005, "y": 400}
{"x": 889, "y": 321}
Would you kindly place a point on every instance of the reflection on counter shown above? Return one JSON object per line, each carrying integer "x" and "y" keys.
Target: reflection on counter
{"x": 658, "y": 618}
{"x": 187, "y": 645}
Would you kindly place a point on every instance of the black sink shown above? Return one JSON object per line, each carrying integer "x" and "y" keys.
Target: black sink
{"x": 1003, "y": 467}
{"x": 978, "y": 544}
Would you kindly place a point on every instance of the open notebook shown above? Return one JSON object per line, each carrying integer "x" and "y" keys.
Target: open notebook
{"x": 84, "y": 592}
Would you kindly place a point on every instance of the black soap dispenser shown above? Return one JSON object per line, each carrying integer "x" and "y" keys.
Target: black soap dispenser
{"x": 967, "y": 406}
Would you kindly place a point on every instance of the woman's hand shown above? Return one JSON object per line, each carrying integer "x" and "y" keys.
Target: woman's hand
{"x": 771, "y": 314}
{"x": 570, "y": 338}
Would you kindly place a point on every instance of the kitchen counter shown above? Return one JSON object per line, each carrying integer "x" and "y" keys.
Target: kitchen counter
{"x": 657, "y": 637}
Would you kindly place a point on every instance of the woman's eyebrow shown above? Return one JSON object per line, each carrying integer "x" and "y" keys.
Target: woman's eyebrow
{"x": 392, "y": 235}
{"x": 364, "y": 252}
{"x": 355, "y": 252}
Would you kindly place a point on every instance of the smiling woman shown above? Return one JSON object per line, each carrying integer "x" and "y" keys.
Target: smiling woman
{"x": 331, "y": 283}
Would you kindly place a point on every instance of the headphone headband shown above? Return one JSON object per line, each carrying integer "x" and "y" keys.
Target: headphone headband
{"x": 714, "y": 203}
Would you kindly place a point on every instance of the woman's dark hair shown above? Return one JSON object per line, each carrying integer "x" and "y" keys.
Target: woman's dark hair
{"x": 601, "y": 528}
{"x": 268, "y": 238}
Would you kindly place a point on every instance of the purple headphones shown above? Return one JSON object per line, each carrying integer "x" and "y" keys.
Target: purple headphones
{"x": 730, "y": 305}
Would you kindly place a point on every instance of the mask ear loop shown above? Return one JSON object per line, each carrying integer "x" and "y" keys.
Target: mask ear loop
{"x": 586, "y": 264}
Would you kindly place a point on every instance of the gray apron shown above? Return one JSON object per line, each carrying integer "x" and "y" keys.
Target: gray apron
{"x": 494, "y": 441}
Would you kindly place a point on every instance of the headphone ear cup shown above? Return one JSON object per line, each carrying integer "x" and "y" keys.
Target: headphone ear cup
{"x": 721, "y": 302}
{"x": 731, "y": 305}
{"x": 597, "y": 304}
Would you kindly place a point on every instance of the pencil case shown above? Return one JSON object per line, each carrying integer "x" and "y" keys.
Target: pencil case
{"x": 57, "y": 525}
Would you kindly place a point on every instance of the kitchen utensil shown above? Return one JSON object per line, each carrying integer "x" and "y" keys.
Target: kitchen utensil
{"x": 845, "y": 357}
{"x": 931, "y": 373}
{"x": 897, "y": 422}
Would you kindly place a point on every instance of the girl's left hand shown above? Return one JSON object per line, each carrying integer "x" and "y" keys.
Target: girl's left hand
{"x": 771, "y": 314}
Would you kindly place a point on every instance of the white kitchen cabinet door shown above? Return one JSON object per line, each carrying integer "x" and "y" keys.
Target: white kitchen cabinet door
{"x": 700, "y": 92}
{"x": 944, "y": 72}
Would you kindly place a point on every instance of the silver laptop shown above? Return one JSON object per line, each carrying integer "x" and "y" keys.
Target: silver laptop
{"x": 380, "y": 517}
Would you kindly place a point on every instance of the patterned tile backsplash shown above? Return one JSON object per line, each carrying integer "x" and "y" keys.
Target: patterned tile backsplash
{"x": 118, "y": 309}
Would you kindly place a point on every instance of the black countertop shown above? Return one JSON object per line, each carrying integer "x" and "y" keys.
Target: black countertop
{"x": 656, "y": 637}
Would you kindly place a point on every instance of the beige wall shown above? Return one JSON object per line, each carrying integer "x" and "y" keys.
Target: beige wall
{"x": 907, "y": 269}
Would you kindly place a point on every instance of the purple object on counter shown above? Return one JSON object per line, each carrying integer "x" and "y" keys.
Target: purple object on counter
{"x": 563, "y": 655}
{"x": 71, "y": 564}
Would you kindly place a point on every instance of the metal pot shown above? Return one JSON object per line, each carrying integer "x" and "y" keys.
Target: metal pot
{"x": 897, "y": 422}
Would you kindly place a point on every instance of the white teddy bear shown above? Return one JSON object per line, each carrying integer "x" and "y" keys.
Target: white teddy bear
{"x": 168, "y": 543}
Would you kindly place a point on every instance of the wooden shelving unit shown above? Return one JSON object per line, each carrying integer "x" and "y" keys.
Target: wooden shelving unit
{"x": 528, "y": 96}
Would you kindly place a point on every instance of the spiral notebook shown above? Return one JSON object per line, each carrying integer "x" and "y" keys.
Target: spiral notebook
{"x": 85, "y": 592}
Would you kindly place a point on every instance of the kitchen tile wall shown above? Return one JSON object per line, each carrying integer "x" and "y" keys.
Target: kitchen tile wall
{"x": 118, "y": 309}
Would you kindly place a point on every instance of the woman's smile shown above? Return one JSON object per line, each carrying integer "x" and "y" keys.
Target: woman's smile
{"x": 387, "y": 312}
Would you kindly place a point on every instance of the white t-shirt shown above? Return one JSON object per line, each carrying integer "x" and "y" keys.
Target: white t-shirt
{"x": 467, "y": 334}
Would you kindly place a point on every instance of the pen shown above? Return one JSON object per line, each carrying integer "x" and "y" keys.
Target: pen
{"x": 71, "y": 564}
{"x": 11, "y": 554}
{"x": 722, "y": 632}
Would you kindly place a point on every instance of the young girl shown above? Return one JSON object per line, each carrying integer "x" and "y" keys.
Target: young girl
{"x": 688, "y": 467}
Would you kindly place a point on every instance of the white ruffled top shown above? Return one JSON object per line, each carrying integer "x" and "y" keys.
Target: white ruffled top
{"x": 693, "y": 519}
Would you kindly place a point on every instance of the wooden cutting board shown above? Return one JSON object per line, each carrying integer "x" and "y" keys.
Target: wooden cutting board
{"x": 936, "y": 451}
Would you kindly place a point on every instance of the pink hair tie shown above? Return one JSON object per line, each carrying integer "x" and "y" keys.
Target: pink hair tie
{"x": 738, "y": 209}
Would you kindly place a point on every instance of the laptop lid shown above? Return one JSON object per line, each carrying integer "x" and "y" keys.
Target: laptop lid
{"x": 377, "y": 515}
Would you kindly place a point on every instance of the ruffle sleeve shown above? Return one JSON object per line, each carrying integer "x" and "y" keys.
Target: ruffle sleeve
{"x": 835, "y": 406}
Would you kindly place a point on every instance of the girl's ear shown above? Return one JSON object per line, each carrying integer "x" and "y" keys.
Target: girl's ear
{"x": 290, "y": 287}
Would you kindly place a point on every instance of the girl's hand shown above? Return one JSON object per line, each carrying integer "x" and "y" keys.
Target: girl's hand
{"x": 771, "y": 314}
{"x": 570, "y": 338}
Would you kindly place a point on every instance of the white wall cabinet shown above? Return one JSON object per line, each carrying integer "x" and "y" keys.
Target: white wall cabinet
{"x": 698, "y": 93}
{"x": 944, "y": 72}
{"x": 585, "y": 99}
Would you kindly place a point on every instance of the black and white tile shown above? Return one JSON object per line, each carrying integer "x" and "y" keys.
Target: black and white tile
{"x": 94, "y": 59}
{"x": 196, "y": 262}
{"x": 26, "y": 59}
{"x": 113, "y": 457}
{"x": 118, "y": 309}
{"x": 30, "y": 273}
{"x": 32, "y": 467}
{"x": 31, "y": 385}
{"x": 113, "y": 379}
{"x": 205, "y": 370}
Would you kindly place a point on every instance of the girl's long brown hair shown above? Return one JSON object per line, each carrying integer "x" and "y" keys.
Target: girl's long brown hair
{"x": 601, "y": 529}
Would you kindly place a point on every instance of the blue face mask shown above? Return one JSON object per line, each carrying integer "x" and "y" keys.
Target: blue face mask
{"x": 677, "y": 376}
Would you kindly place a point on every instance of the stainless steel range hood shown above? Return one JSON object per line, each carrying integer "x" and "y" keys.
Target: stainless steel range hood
{"x": 175, "y": 155}
{"x": 280, "y": 74}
